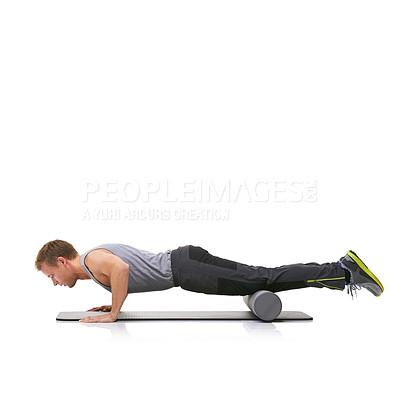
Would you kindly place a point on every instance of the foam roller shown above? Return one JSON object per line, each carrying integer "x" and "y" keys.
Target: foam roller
{"x": 264, "y": 304}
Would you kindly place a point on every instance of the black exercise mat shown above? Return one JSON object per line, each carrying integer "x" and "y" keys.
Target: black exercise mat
{"x": 183, "y": 315}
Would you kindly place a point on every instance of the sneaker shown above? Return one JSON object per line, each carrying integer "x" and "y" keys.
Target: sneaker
{"x": 360, "y": 275}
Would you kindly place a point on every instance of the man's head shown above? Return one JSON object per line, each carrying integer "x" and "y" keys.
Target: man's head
{"x": 58, "y": 260}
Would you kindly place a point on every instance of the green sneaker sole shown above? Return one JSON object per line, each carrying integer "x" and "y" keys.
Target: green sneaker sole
{"x": 365, "y": 269}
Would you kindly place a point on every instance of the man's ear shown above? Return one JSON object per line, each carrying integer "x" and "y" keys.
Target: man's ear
{"x": 62, "y": 260}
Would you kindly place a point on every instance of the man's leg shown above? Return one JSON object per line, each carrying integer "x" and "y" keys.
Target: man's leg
{"x": 195, "y": 269}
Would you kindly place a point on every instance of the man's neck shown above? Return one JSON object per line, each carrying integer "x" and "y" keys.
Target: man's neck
{"x": 78, "y": 269}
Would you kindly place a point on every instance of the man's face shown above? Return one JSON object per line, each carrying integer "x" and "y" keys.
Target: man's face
{"x": 60, "y": 274}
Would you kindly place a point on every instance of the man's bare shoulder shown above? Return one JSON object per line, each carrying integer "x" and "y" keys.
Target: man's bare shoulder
{"x": 101, "y": 261}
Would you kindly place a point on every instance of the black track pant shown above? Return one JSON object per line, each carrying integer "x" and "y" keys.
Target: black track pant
{"x": 195, "y": 269}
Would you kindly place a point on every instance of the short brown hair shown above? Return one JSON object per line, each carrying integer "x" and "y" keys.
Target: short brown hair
{"x": 52, "y": 250}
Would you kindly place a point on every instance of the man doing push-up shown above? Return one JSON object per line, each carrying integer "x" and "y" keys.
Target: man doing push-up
{"x": 123, "y": 269}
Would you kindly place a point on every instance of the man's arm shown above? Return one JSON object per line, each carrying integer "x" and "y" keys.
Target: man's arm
{"x": 111, "y": 271}
{"x": 119, "y": 288}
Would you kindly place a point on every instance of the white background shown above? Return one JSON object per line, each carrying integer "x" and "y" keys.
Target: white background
{"x": 240, "y": 91}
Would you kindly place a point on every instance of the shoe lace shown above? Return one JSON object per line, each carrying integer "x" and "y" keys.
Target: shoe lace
{"x": 352, "y": 286}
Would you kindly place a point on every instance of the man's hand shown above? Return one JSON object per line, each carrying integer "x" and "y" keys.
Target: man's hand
{"x": 102, "y": 308}
{"x": 100, "y": 318}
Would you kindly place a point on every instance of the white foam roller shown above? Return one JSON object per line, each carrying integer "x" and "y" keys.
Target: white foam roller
{"x": 266, "y": 305}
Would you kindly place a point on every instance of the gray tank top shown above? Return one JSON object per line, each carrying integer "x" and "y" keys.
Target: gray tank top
{"x": 147, "y": 271}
